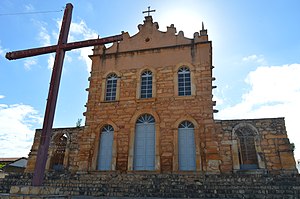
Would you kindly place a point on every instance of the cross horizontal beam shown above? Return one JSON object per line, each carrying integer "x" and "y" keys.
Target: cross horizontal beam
{"x": 66, "y": 47}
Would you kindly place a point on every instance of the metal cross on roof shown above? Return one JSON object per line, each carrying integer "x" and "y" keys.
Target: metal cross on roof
{"x": 148, "y": 11}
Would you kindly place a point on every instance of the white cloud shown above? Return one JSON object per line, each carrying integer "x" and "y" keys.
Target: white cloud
{"x": 84, "y": 55}
{"x": 29, "y": 8}
{"x": 218, "y": 100}
{"x": 44, "y": 39}
{"x": 50, "y": 61}
{"x": 29, "y": 62}
{"x": 259, "y": 59}
{"x": 17, "y": 124}
{"x": 44, "y": 36}
{"x": 78, "y": 32}
{"x": 273, "y": 84}
{"x": 2, "y": 96}
{"x": 274, "y": 92}
{"x": 2, "y": 51}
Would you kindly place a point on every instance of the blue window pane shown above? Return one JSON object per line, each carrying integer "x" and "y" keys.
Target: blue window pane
{"x": 184, "y": 81}
{"x": 105, "y": 148}
{"x": 144, "y": 149}
{"x": 111, "y": 87}
{"x": 146, "y": 84}
{"x": 186, "y": 147}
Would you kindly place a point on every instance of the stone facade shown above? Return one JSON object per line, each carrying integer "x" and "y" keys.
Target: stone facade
{"x": 116, "y": 101}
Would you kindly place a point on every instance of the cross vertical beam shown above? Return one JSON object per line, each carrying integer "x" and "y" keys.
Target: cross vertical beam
{"x": 42, "y": 154}
{"x": 60, "y": 49}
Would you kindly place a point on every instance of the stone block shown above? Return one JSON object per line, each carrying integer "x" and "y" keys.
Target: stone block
{"x": 25, "y": 189}
{"x": 227, "y": 142}
{"x": 286, "y": 147}
{"x": 213, "y": 156}
{"x": 35, "y": 190}
{"x": 288, "y": 161}
{"x": 212, "y": 150}
{"x": 274, "y": 136}
{"x": 15, "y": 189}
{"x": 213, "y": 166}
{"x": 226, "y": 168}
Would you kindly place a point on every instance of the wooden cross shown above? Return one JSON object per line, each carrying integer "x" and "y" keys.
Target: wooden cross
{"x": 59, "y": 49}
{"x": 148, "y": 11}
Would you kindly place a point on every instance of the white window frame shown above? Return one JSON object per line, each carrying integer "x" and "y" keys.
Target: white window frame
{"x": 111, "y": 87}
{"x": 146, "y": 85}
{"x": 184, "y": 81}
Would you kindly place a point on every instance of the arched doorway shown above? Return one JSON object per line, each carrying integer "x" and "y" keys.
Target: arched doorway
{"x": 105, "y": 148}
{"x": 247, "y": 150}
{"x": 186, "y": 146}
{"x": 144, "y": 145}
{"x": 58, "y": 156}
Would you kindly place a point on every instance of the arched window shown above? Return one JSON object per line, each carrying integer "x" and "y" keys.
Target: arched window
{"x": 146, "y": 84}
{"x": 105, "y": 148}
{"x": 111, "y": 87}
{"x": 247, "y": 150}
{"x": 184, "y": 81}
{"x": 144, "y": 144}
{"x": 186, "y": 146}
{"x": 57, "y": 159}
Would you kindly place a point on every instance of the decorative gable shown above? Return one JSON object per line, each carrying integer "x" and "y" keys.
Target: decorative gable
{"x": 150, "y": 37}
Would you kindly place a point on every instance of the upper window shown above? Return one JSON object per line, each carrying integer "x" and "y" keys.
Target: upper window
{"x": 111, "y": 87}
{"x": 146, "y": 84}
{"x": 184, "y": 81}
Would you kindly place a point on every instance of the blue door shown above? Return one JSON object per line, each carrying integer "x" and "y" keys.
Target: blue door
{"x": 105, "y": 148}
{"x": 144, "y": 147}
{"x": 186, "y": 147}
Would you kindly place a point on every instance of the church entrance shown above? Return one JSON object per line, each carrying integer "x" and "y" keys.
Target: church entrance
{"x": 105, "y": 148}
{"x": 186, "y": 147}
{"x": 144, "y": 147}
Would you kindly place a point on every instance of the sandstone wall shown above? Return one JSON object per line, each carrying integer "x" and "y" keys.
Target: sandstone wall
{"x": 163, "y": 54}
{"x": 274, "y": 150}
{"x": 72, "y": 148}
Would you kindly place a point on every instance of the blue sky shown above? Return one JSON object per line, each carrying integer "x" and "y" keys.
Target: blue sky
{"x": 256, "y": 50}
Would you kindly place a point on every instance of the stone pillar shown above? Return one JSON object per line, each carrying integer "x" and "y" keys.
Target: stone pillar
{"x": 235, "y": 155}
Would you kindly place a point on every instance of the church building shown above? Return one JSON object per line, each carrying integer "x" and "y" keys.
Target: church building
{"x": 150, "y": 109}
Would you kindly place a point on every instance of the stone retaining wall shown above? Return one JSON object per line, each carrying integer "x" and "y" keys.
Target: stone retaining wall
{"x": 188, "y": 185}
